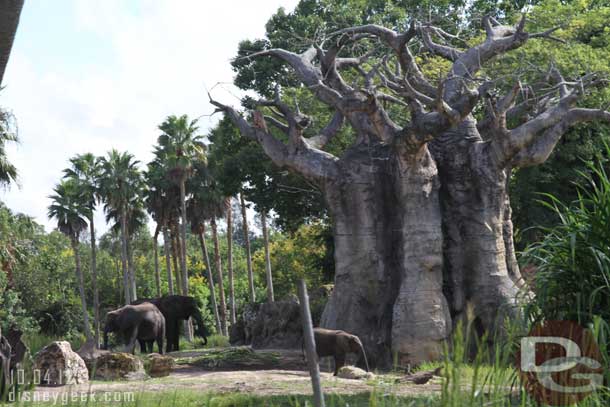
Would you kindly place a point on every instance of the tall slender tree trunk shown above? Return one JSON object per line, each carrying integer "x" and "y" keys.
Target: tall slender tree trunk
{"x": 156, "y": 254}
{"x": 131, "y": 270}
{"x": 126, "y": 281}
{"x": 270, "y": 296}
{"x": 208, "y": 266}
{"x": 248, "y": 251}
{"x": 81, "y": 288}
{"x": 96, "y": 294}
{"x": 223, "y": 304}
{"x": 175, "y": 256}
{"x": 183, "y": 246}
{"x": 168, "y": 266}
{"x": 230, "y": 260}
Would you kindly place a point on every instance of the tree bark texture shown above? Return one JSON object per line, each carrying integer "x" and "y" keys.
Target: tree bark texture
{"x": 183, "y": 246}
{"x": 131, "y": 271}
{"x": 248, "y": 251}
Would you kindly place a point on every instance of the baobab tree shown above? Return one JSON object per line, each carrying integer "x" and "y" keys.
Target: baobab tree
{"x": 419, "y": 203}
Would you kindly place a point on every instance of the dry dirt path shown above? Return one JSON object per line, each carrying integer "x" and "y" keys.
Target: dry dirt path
{"x": 287, "y": 376}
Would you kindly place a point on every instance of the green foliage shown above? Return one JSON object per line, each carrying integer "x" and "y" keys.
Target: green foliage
{"x": 572, "y": 261}
{"x": 8, "y": 172}
{"x": 306, "y": 253}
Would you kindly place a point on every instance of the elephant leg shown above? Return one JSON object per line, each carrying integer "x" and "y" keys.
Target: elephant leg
{"x": 131, "y": 347}
{"x": 176, "y": 337}
{"x": 159, "y": 344}
{"x": 143, "y": 348}
{"x": 339, "y": 363}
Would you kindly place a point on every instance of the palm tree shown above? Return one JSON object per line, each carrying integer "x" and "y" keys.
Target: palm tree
{"x": 10, "y": 10}
{"x": 206, "y": 203}
{"x": 85, "y": 171}
{"x": 179, "y": 147}
{"x": 156, "y": 205}
{"x": 70, "y": 211}
{"x": 195, "y": 211}
{"x": 120, "y": 183}
{"x": 8, "y": 172}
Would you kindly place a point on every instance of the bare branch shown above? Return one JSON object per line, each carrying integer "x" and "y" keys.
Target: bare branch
{"x": 327, "y": 133}
{"x": 445, "y": 51}
{"x": 539, "y": 151}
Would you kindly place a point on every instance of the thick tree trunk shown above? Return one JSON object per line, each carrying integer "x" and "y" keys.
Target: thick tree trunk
{"x": 126, "y": 283}
{"x": 156, "y": 254}
{"x": 475, "y": 207}
{"x": 208, "y": 266}
{"x": 221, "y": 291}
{"x": 230, "y": 260}
{"x": 96, "y": 294}
{"x": 81, "y": 288}
{"x": 168, "y": 261}
{"x": 270, "y": 295}
{"x": 388, "y": 254}
{"x": 248, "y": 251}
{"x": 9, "y": 20}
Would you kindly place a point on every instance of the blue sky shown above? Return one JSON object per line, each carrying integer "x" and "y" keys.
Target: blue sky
{"x": 90, "y": 75}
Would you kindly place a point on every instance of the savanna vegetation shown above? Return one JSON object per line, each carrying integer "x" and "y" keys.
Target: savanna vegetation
{"x": 550, "y": 199}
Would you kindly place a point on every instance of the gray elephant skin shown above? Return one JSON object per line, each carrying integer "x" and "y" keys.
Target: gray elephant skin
{"x": 338, "y": 344}
{"x": 142, "y": 322}
{"x": 177, "y": 308}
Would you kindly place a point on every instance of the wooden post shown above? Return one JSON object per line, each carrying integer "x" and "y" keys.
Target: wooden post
{"x": 310, "y": 346}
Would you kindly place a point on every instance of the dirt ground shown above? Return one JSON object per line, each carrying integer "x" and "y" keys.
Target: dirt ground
{"x": 286, "y": 374}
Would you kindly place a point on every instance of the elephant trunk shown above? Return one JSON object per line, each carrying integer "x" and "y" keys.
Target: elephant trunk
{"x": 106, "y": 330}
{"x": 363, "y": 353}
{"x": 201, "y": 331}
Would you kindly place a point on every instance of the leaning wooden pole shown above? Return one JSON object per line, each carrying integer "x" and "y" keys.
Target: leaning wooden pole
{"x": 310, "y": 347}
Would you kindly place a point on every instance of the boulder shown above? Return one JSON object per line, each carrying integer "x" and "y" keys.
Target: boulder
{"x": 119, "y": 366}
{"x": 59, "y": 365}
{"x": 160, "y": 365}
{"x": 90, "y": 353}
{"x": 355, "y": 373}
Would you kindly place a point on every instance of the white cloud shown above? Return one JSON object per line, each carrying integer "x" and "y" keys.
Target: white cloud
{"x": 161, "y": 55}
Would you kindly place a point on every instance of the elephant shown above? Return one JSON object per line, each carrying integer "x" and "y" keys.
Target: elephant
{"x": 338, "y": 344}
{"x": 176, "y": 308}
{"x": 142, "y": 321}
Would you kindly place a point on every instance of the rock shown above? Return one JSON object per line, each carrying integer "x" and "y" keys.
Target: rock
{"x": 59, "y": 365}
{"x": 276, "y": 325}
{"x": 353, "y": 372}
{"x": 160, "y": 365}
{"x": 90, "y": 353}
{"x": 119, "y": 366}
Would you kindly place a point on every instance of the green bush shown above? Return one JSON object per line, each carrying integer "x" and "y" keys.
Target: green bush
{"x": 572, "y": 262}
